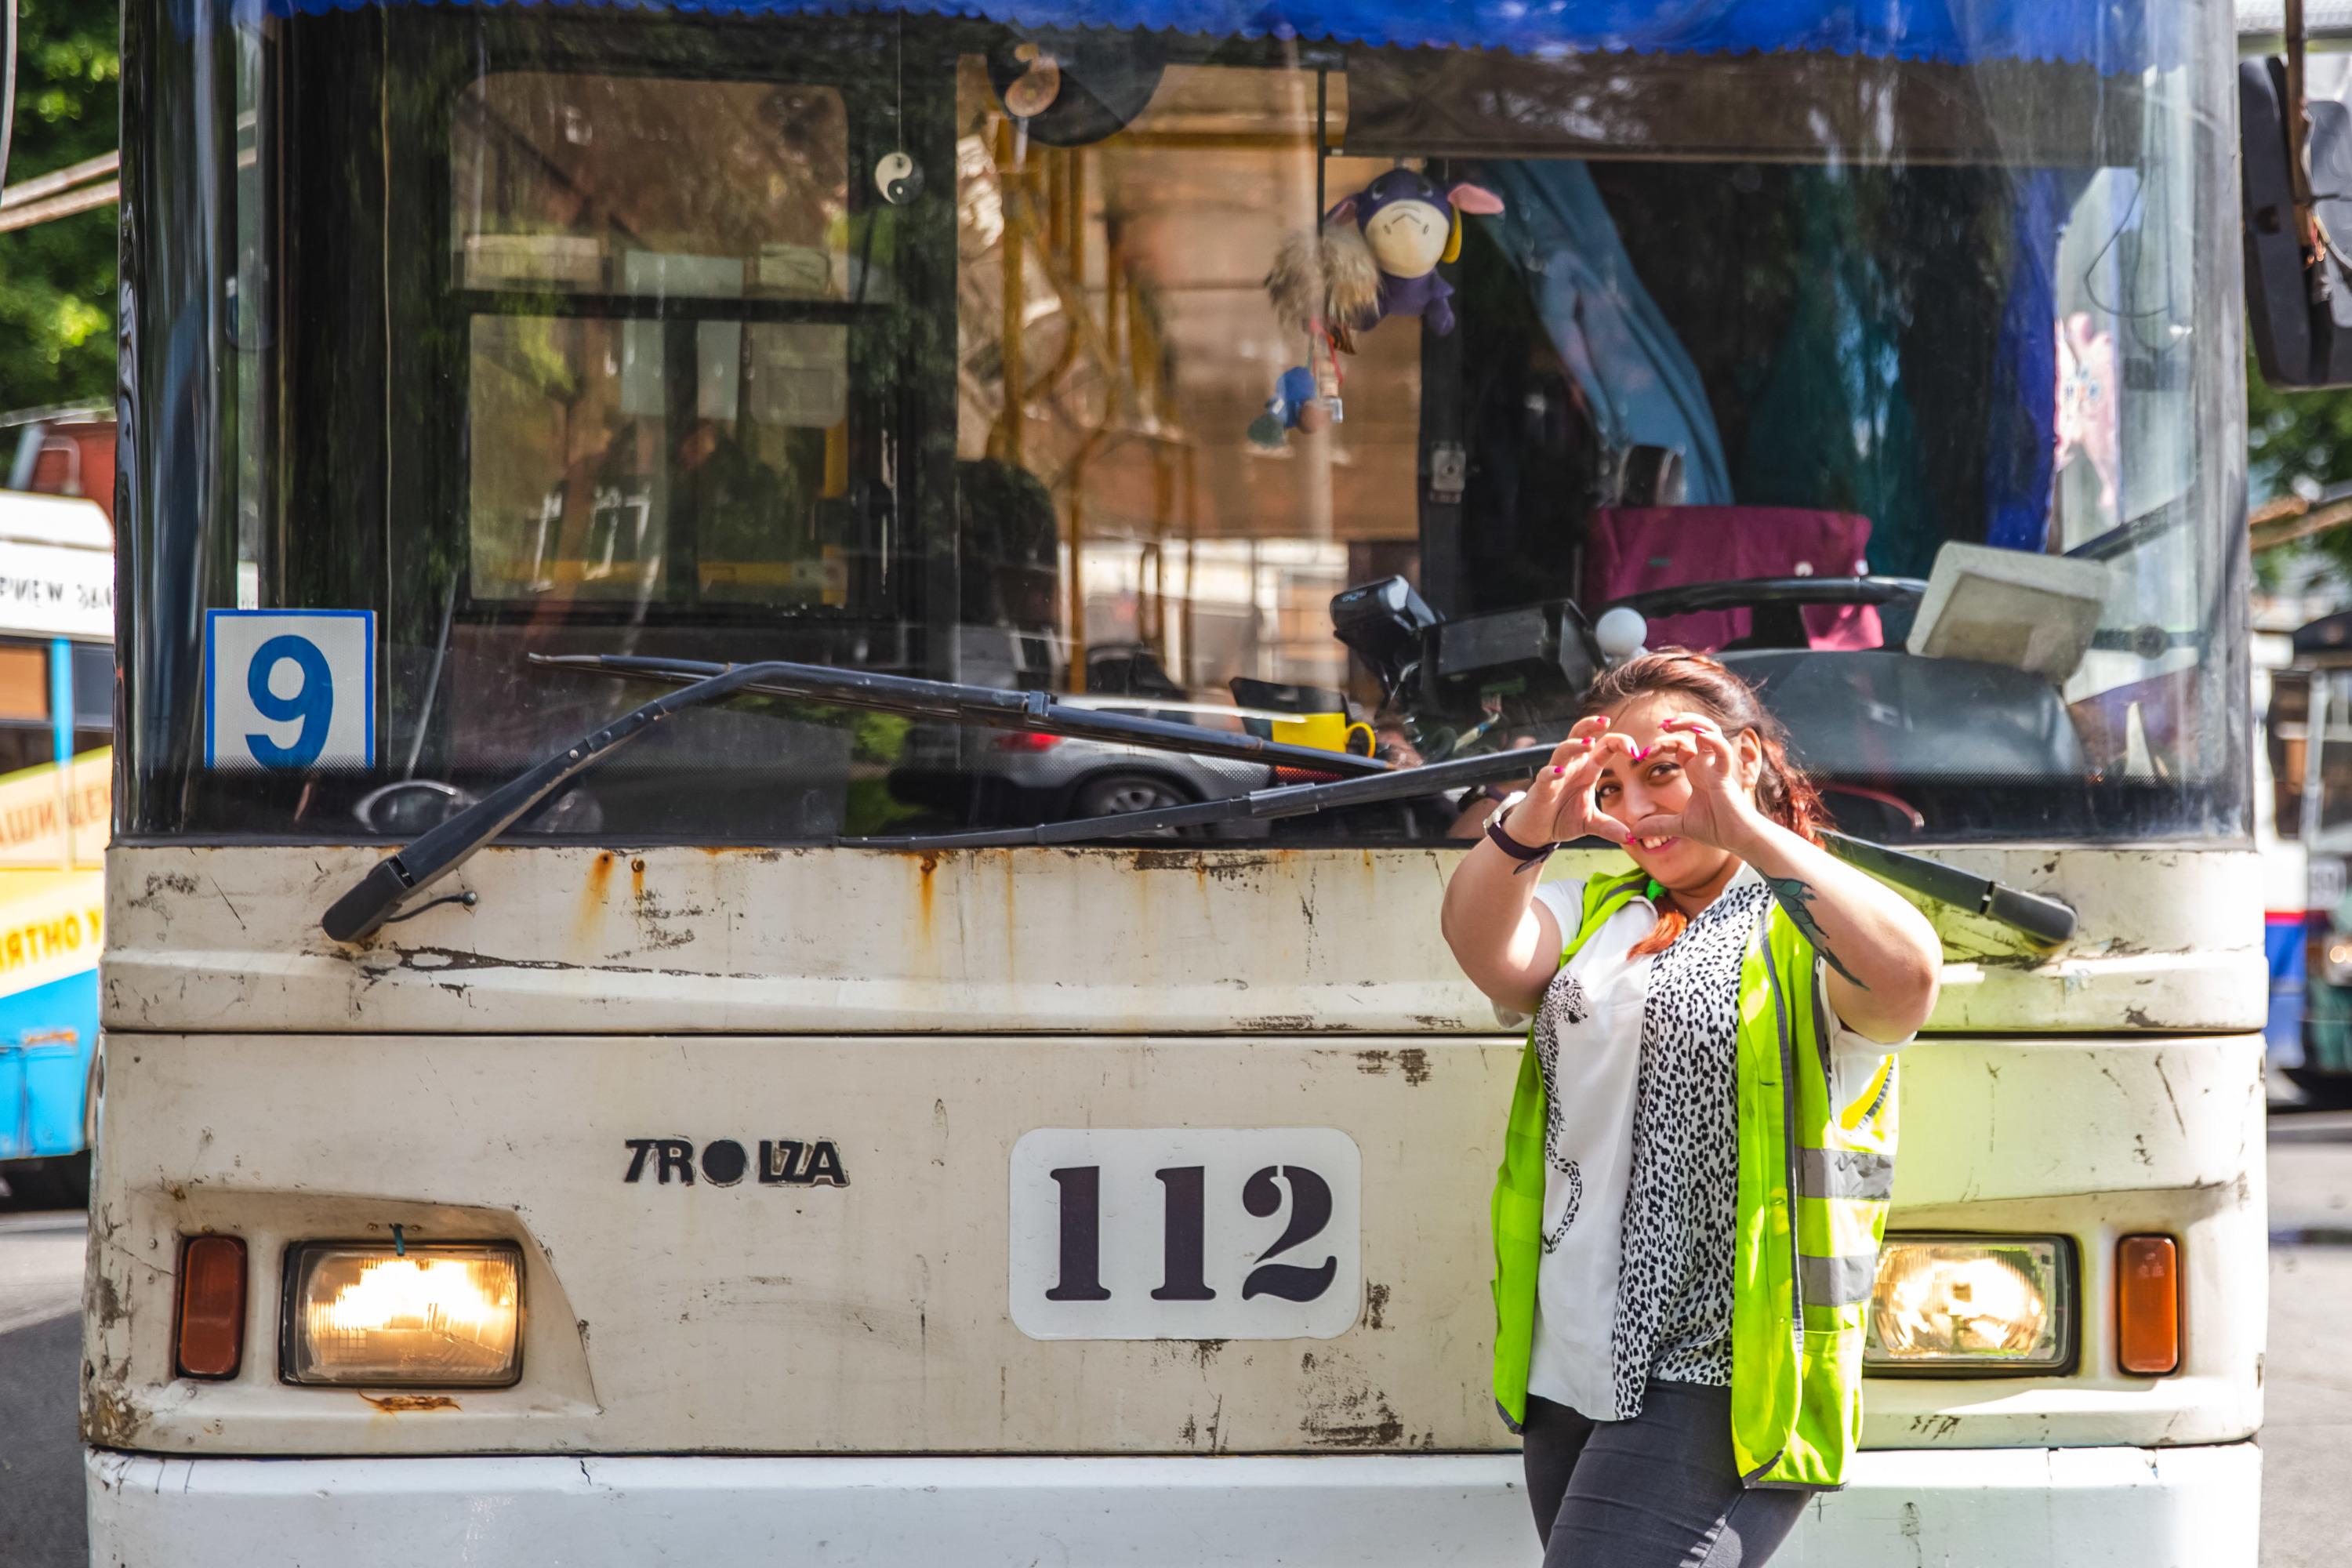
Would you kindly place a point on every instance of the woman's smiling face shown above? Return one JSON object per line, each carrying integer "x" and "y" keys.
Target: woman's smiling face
{"x": 1647, "y": 784}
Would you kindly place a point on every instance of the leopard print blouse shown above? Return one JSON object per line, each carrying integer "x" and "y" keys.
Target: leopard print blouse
{"x": 1675, "y": 1291}
{"x": 1676, "y": 1228}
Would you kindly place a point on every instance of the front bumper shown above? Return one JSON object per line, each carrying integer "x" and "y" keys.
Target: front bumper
{"x": 2022, "y": 1508}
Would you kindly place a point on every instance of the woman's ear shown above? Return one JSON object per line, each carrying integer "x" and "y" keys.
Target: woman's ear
{"x": 1751, "y": 761}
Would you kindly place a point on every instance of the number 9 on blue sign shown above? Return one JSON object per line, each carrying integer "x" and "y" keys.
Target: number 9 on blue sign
{"x": 289, "y": 690}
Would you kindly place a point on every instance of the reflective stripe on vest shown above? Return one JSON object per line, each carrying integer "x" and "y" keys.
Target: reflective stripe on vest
{"x": 1838, "y": 1282}
{"x": 1845, "y": 1174}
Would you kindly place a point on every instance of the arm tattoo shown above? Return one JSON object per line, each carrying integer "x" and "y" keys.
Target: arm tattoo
{"x": 1794, "y": 897}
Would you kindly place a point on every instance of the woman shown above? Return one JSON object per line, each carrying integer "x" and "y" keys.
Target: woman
{"x": 1701, "y": 1147}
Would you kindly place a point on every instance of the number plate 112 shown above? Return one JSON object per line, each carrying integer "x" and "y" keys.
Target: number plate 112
{"x": 1186, "y": 1233}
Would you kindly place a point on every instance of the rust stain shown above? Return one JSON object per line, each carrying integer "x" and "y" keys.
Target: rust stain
{"x": 1413, "y": 1060}
{"x": 1011, "y": 912}
{"x": 109, "y": 1418}
{"x": 637, "y": 879}
{"x": 400, "y": 1402}
{"x": 599, "y": 887}
{"x": 1223, "y": 865}
{"x": 1342, "y": 1411}
{"x": 1350, "y": 1418}
{"x": 927, "y": 891}
{"x": 437, "y": 960}
{"x": 1376, "y": 1304}
{"x": 106, "y": 1304}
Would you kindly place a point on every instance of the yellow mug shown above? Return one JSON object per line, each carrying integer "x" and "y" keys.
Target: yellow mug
{"x": 1324, "y": 732}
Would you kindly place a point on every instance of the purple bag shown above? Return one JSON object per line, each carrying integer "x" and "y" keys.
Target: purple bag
{"x": 1631, "y": 548}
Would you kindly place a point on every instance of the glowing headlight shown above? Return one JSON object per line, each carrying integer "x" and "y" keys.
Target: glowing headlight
{"x": 1970, "y": 1305}
{"x": 2336, "y": 958}
{"x": 434, "y": 1316}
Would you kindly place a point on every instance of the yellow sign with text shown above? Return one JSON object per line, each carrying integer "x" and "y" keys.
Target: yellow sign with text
{"x": 58, "y": 816}
{"x": 51, "y": 923}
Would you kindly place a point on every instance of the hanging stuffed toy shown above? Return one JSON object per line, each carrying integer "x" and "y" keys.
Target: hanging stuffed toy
{"x": 1376, "y": 256}
{"x": 1295, "y": 405}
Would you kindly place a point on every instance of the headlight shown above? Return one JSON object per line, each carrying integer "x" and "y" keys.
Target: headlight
{"x": 1973, "y": 1305}
{"x": 434, "y": 1316}
{"x": 2336, "y": 958}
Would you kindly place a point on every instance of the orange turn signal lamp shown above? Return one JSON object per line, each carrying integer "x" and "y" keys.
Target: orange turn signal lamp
{"x": 2148, "y": 1305}
{"x": 209, "y": 1327}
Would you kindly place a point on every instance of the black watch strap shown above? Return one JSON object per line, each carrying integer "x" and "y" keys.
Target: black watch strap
{"x": 1526, "y": 854}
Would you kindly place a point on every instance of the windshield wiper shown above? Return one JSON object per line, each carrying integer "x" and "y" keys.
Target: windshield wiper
{"x": 2045, "y": 920}
{"x": 988, "y": 707}
{"x": 400, "y": 877}
{"x": 396, "y": 881}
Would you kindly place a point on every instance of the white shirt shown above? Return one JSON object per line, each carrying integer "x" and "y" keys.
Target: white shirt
{"x": 1595, "y": 1008}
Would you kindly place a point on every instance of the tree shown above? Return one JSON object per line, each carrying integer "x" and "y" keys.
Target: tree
{"x": 57, "y": 279}
{"x": 2299, "y": 441}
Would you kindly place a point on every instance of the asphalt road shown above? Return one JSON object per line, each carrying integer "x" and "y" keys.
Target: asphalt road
{"x": 2306, "y": 1437}
{"x": 40, "y": 1347}
{"x": 2308, "y": 1371}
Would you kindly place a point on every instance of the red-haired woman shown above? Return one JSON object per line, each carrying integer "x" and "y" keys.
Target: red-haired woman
{"x": 1701, "y": 1147}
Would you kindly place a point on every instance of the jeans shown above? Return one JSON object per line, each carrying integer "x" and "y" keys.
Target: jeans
{"x": 1661, "y": 1490}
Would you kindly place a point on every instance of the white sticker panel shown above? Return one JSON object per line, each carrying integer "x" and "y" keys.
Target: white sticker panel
{"x": 289, "y": 690}
{"x": 1186, "y": 1233}
{"x": 56, "y": 589}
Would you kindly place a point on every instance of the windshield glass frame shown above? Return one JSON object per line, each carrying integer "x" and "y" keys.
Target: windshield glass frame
{"x": 206, "y": 501}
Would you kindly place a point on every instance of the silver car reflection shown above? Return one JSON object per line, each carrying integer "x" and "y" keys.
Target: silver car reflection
{"x": 994, "y": 777}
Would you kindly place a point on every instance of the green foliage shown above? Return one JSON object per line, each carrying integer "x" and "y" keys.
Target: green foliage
{"x": 57, "y": 279}
{"x": 2298, "y": 438}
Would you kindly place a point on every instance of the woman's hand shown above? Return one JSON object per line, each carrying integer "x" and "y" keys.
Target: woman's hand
{"x": 1559, "y": 806}
{"x": 1721, "y": 811}
{"x": 1504, "y": 937}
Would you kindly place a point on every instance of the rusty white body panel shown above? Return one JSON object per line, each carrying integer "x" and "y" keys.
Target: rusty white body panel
{"x": 1099, "y": 940}
{"x": 735, "y": 1350}
{"x": 873, "y": 1317}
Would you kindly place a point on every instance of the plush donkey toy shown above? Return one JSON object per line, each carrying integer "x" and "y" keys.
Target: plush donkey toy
{"x": 1376, "y": 257}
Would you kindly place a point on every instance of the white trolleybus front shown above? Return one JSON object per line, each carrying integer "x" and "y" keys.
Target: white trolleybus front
{"x": 799, "y": 679}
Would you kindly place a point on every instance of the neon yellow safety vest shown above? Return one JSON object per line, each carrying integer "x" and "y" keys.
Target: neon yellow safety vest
{"x": 1815, "y": 1180}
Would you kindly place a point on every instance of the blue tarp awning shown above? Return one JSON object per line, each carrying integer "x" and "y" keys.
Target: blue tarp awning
{"x": 2109, "y": 35}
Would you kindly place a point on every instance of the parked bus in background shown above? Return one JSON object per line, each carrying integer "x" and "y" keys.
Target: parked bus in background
{"x": 565, "y": 1101}
{"x": 2314, "y": 697}
{"x": 2282, "y": 697}
{"x": 57, "y": 760}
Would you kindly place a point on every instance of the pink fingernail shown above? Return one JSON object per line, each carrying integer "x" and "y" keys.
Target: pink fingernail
{"x": 1641, "y": 752}
{"x": 1557, "y": 770}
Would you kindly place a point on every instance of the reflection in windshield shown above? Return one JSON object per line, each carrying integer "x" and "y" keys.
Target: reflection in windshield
{"x": 1332, "y": 395}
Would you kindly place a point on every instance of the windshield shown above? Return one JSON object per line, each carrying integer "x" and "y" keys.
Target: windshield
{"x": 1327, "y": 382}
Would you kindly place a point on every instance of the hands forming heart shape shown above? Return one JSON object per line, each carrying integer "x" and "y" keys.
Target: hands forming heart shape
{"x": 1692, "y": 766}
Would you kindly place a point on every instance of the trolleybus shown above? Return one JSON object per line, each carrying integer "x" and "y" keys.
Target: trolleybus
{"x": 564, "y": 1102}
